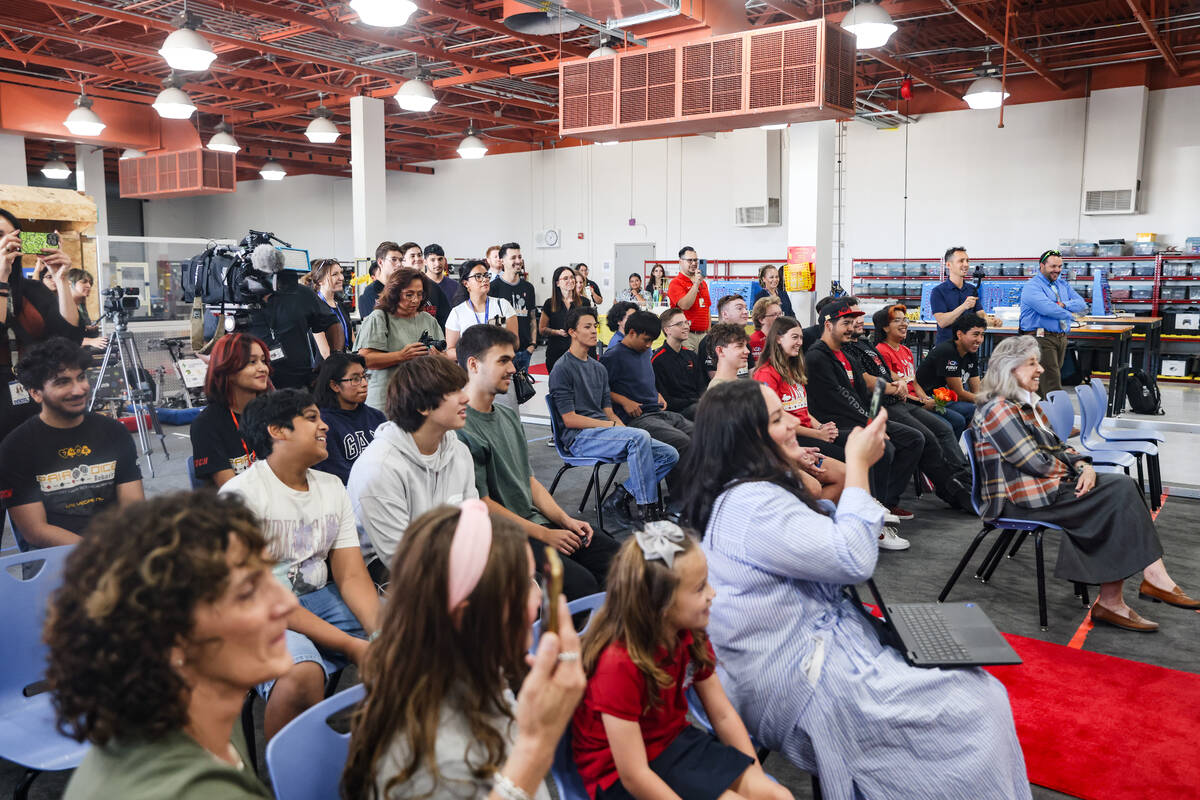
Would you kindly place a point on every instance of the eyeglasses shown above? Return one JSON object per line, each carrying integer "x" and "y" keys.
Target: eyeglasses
{"x": 394, "y": 260}
{"x": 478, "y": 276}
{"x": 354, "y": 379}
{"x": 680, "y": 322}
{"x": 692, "y": 260}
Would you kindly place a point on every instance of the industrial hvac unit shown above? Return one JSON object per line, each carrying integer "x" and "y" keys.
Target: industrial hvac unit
{"x": 791, "y": 73}
{"x": 182, "y": 173}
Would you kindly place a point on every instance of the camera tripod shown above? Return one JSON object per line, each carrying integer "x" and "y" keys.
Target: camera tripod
{"x": 137, "y": 393}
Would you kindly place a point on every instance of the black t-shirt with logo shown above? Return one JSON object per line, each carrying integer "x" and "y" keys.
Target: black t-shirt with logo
{"x": 285, "y": 323}
{"x": 217, "y": 442}
{"x": 524, "y": 303}
{"x": 945, "y": 362}
{"x": 73, "y": 472}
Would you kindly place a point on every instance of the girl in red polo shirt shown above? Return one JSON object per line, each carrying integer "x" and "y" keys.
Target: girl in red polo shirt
{"x": 645, "y": 649}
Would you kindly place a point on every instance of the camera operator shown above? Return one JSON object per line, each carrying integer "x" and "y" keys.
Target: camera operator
{"x": 396, "y": 331}
{"x": 82, "y": 284}
{"x": 287, "y": 315}
{"x": 32, "y": 312}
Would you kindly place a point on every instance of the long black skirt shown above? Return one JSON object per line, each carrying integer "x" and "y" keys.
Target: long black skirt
{"x": 1109, "y": 534}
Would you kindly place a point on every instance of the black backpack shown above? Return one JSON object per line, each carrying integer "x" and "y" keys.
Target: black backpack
{"x": 1144, "y": 397}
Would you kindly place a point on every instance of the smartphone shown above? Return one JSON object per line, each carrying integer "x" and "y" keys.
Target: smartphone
{"x": 52, "y": 240}
{"x": 876, "y": 398}
{"x": 554, "y": 584}
{"x": 33, "y": 242}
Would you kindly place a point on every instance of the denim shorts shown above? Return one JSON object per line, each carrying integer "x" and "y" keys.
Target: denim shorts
{"x": 326, "y": 603}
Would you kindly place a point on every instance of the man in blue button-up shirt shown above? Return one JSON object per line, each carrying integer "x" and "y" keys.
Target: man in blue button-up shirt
{"x": 1048, "y": 304}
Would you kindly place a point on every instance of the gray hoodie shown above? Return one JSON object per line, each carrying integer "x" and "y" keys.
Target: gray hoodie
{"x": 392, "y": 483}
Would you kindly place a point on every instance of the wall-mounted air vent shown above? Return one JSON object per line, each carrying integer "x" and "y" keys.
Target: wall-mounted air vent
{"x": 792, "y": 73}
{"x": 1110, "y": 201}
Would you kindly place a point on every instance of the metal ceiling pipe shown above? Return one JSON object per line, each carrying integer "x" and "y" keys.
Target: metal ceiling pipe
{"x": 546, "y": 19}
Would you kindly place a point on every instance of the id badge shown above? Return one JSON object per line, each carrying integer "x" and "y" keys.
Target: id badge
{"x": 276, "y": 353}
{"x": 17, "y": 393}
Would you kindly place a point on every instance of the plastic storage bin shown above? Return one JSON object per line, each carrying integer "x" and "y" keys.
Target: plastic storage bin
{"x": 1081, "y": 269}
{"x": 1013, "y": 270}
{"x": 1142, "y": 293}
{"x": 1112, "y": 250}
{"x": 1029, "y": 268}
{"x": 1067, "y": 246}
{"x": 1192, "y": 244}
{"x": 1120, "y": 270}
{"x": 895, "y": 289}
{"x": 1121, "y": 292}
{"x": 1145, "y": 248}
{"x": 1176, "y": 269}
{"x": 992, "y": 270}
{"x": 916, "y": 270}
{"x": 1174, "y": 293}
{"x": 1144, "y": 270}
{"x": 1087, "y": 249}
{"x": 864, "y": 268}
{"x": 1174, "y": 366}
{"x": 1194, "y": 293}
{"x": 893, "y": 270}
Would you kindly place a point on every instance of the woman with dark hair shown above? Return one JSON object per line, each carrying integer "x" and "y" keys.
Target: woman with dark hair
{"x": 391, "y": 334}
{"x": 32, "y": 312}
{"x": 553, "y": 324}
{"x": 1028, "y": 473}
{"x": 656, "y": 284}
{"x": 341, "y": 395}
{"x": 325, "y": 277}
{"x": 804, "y": 667}
{"x": 634, "y": 294}
{"x": 238, "y": 371}
{"x": 478, "y": 306}
{"x": 769, "y": 281}
{"x": 166, "y": 617}
{"x": 440, "y": 720}
{"x": 781, "y": 367}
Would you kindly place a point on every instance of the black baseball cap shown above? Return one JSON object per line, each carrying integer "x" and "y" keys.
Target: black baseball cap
{"x": 837, "y": 310}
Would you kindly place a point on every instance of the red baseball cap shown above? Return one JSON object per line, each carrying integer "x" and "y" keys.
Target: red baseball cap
{"x": 839, "y": 309}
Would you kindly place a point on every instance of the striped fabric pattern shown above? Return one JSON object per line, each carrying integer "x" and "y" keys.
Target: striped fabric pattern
{"x": 1019, "y": 457}
{"x": 810, "y": 677}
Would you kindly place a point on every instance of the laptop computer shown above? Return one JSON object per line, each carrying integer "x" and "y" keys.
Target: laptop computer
{"x": 941, "y": 634}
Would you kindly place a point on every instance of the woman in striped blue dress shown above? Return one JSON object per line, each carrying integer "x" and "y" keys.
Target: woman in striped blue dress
{"x": 804, "y": 668}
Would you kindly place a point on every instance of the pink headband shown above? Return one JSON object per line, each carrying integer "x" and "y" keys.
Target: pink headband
{"x": 469, "y": 550}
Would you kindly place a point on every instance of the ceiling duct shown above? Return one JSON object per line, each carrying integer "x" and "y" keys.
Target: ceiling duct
{"x": 1114, "y": 141}
{"x": 791, "y": 73}
{"x": 520, "y": 17}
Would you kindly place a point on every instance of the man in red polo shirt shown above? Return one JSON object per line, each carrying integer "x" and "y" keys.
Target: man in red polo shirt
{"x": 689, "y": 292}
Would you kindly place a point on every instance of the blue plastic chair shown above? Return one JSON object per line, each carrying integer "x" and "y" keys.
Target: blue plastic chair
{"x": 28, "y": 732}
{"x": 1111, "y": 432}
{"x": 1091, "y": 413}
{"x": 564, "y": 773}
{"x": 1058, "y": 409}
{"x": 306, "y": 758}
{"x": 1009, "y": 528}
{"x": 576, "y": 606}
{"x": 569, "y": 461}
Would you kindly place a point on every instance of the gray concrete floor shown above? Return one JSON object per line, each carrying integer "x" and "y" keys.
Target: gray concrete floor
{"x": 939, "y": 537}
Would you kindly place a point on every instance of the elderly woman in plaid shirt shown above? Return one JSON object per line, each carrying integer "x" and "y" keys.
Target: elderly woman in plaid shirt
{"x": 1027, "y": 472}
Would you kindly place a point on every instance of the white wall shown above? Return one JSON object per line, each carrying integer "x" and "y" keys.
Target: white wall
{"x": 1004, "y": 192}
{"x": 1013, "y": 191}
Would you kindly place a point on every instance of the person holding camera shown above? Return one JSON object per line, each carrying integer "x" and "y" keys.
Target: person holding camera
{"x": 287, "y": 316}
{"x": 397, "y": 331}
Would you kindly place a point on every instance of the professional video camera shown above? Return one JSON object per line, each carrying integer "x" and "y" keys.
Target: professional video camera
{"x": 119, "y": 302}
{"x": 233, "y": 278}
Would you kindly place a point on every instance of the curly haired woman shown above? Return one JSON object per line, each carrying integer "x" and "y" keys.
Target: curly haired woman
{"x": 168, "y": 614}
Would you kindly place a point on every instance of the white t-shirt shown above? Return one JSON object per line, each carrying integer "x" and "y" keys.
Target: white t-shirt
{"x": 301, "y": 527}
{"x": 463, "y": 315}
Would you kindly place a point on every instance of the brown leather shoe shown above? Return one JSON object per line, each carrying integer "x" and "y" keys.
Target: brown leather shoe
{"x": 1175, "y": 597}
{"x": 1131, "y": 623}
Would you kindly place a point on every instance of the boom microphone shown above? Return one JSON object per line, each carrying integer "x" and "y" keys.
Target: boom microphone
{"x": 266, "y": 258}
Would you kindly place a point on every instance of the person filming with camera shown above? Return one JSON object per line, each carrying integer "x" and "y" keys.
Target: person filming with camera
{"x": 397, "y": 331}
{"x": 284, "y": 319}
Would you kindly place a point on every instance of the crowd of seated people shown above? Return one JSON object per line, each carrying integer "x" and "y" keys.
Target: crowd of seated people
{"x": 390, "y": 520}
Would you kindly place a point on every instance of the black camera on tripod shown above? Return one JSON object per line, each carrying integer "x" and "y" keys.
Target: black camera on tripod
{"x": 234, "y": 278}
{"x": 119, "y": 301}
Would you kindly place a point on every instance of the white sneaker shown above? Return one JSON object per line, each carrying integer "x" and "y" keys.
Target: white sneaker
{"x": 888, "y": 540}
{"x": 888, "y": 517}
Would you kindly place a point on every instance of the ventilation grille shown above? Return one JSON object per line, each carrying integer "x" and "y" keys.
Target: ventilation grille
{"x": 793, "y": 73}
{"x": 753, "y": 216}
{"x": 1109, "y": 201}
{"x": 185, "y": 173}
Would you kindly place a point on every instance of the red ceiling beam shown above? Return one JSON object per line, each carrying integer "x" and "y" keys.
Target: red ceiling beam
{"x": 1016, "y": 51}
{"x": 905, "y": 67}
{"x": 1148, "y": 26}
{"x": 488, "y": 24}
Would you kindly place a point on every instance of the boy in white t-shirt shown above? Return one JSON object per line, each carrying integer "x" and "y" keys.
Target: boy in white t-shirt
{"x": 310, "y": 530}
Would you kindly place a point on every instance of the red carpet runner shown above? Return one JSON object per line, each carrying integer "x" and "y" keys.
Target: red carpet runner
{"x": 538, "y": 369}
{"x": 1100, "y": 727}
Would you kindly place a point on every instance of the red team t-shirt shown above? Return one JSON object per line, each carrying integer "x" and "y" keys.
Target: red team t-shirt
{"x": 758, "y": 341}
{"x": 618, "y": 689}
{"x": 900, "y": 361}
{"x": 792, "y": 395}
{"x": 700, "y": 314}
{"x": 845, "y": 362}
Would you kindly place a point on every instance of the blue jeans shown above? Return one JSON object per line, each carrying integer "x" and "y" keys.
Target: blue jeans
{"x": 648, "y": 460}
{"x": 959, "y": 413}
{"x": 326, "y": 603}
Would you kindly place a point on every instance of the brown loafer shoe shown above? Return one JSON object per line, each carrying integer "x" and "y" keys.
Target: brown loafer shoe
{"x": 1131, "y": 623}
{"x": 1175, "y": 597}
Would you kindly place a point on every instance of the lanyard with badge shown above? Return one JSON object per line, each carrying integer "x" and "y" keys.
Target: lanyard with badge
{"x": 238, "y": 428}
{"x": 16, "y": 392}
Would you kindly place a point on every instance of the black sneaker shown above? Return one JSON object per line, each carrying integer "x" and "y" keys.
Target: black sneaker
{"x": 616, "y": 510}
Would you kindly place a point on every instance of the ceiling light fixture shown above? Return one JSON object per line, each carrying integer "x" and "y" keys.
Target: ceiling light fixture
{"x": 472, "y": 146}
{"x": 272, "y": 171}
{"x": 131, "y": 152}
{"x": 415, "y": 94}
{"x": 383, "y": 13}
{"x": 223, "y": 141}
{"x": 774, "y": 126}
{"x": 55, "y": 168}
{"x": 172, "y": 102}
{"x": 322, "y": 130}
{"x": 986, "y": 91}
{"x": 607, "y": 144}
{"x": 82, "y": 121}
{"x": 870, "y": 24}
{"x": 186, "y": 50}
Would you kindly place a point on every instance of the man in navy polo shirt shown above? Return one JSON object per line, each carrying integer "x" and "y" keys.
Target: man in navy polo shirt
{"x": 953, "y": 297}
